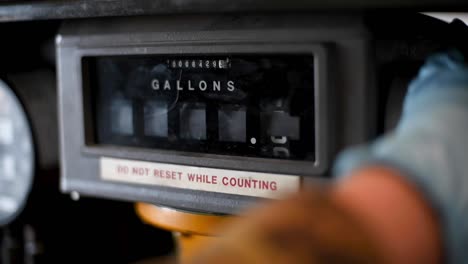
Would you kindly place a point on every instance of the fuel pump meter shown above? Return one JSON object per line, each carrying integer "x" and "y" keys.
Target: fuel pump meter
{"x": 208, "y": 113}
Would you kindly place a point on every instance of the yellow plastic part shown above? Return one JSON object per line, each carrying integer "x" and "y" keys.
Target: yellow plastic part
{"x": 191, "y": 230}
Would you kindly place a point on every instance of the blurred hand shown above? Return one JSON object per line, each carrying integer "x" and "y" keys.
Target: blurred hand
{"x": 306, "y": 228}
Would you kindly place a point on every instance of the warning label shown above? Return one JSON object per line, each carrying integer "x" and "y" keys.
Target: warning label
{"x": 198, "y": 178}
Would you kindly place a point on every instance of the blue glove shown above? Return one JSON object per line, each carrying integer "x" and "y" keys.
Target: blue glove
{"x": 430, "y": 146}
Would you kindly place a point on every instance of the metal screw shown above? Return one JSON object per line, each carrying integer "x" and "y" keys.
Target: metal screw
{"x": 75, "y": 196}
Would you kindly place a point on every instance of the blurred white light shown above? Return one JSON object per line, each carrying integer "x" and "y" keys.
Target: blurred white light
{"x": 449, "y": 16}
{"x": 7, "y": 205}
{"x": 16, "y": 155}
{"x": 8, "y": 167}
{"x": 6, "y": 131}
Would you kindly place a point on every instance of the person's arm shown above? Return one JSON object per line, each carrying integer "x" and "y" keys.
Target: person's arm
{"x": 429, "y": 149}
